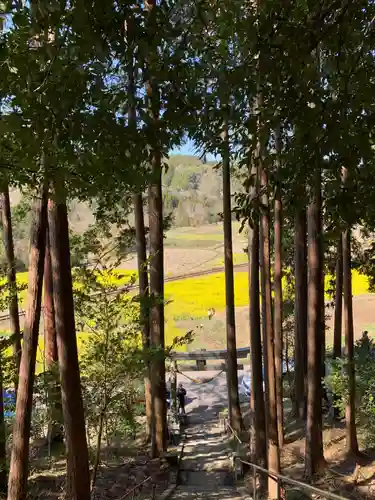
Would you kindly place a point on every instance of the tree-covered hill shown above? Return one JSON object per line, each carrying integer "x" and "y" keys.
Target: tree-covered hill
{"x": 192, "y": 192}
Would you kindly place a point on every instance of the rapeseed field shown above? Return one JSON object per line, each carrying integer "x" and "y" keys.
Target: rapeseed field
{"x": 190, "y": 299}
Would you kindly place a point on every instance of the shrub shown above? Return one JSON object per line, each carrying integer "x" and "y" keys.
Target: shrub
{"x": 337, "y": 382}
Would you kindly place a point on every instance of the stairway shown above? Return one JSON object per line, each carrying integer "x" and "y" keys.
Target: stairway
{"x": 205, "y": 468}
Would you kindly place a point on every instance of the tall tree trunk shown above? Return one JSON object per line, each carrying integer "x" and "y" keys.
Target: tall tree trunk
{"x": 300, "y": 308}
{"x": 314, "y": 458}
{"x": 278, "y": 305}
{"x": 273, "y": 442}
{"x": 78, "y": 476}
{"x": 337, "y": 332}
{"x": 144, "y": 297}
{"x": 157, "y": 306}
{"x": 263, "y": 316}
{"x": 351, "y": 430}
{"x": 17, "y": 485}
{"x": 235, "y": 417}
{"x": 11, "y": 276}
{"x": 278, "y": 317}
{"x": 50, "y": 351}
{"x": 155, "y": 204}
{"x": 50, "y": 339}
{"x": 140, "y": 236}
{"x": 3, "y": 447}
{"x": 323, "y": 318}
{"x": 258, "y": 433}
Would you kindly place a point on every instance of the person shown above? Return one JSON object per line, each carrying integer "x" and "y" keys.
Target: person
{"x": 168, "y": 394}
{"x": 181, "y": 393}
{"x": 366, "y": 341}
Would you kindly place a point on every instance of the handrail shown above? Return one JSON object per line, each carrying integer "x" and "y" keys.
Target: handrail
{"x": 234, "y": 433}
{"x": 285, "y": 479}
{"x": 294, "y": 482}
{"x": 139, "y": 487}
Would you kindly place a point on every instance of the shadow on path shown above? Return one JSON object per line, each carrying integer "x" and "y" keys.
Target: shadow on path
{"x": 205, "y": 468}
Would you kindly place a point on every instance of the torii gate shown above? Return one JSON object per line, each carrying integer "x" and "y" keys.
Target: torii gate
{"x": 200, "y": 357}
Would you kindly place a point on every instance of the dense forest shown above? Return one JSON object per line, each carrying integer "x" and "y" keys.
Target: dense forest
{"x": 94, "y": 95}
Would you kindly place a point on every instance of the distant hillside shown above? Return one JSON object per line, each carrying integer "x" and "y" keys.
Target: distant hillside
{"x": 192, "y": 192}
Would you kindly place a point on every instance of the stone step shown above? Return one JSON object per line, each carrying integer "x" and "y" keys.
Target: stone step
{"x": 207, "y": 480}
{"x": 194, "y": 492}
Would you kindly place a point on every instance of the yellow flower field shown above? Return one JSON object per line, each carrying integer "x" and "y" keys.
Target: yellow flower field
{"x": 124, "y": 275}
{"x": 192, "y": 297}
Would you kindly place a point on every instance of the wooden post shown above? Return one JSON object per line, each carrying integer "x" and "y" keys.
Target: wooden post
{"x": 201, "y": 364}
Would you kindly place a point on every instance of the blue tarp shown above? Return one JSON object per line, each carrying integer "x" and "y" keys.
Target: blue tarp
{"x": 246, "y": 381}
{"x": 9, "y": 403}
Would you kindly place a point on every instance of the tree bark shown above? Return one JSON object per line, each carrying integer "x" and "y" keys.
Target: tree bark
{"x": 273, "y": 443}
{"x": 263, "y": 302}
{"x": 314, "y": 458}
{"x": 300, "y": 307}
{"x": 140, "y": 236}
{"x": 78, "y": 476}
{"x": 323, "y": 318}
{"x": 278, "y": 317}
{"x": 55, "y": 423}
{"x": 50, "y": 339}
{"x": 157, "y": 305}
{"x": 337, "y": 332}
{"x": 235, "y": 416}
{"x": 12, "y": 281}
{"x": 17, "y": 484}
{"x": 144, "y": 298}
{"x": 98, "y": 449}
{"x": 155, "y": 203}
{"x": 351, "y": 430}
{"x": 258, "y": 444}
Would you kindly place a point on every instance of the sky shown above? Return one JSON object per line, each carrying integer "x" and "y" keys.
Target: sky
{"x": 189, "y": 149}
{"x": 186, "y": 149}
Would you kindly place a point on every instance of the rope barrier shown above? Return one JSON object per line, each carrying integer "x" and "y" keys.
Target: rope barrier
{"x": 294, "y": 482}
{"x": 138, "y": 486}
{"x": 285, "y": 479}
{"x": 233, "y": 432}
{"x": 197, "y": 381}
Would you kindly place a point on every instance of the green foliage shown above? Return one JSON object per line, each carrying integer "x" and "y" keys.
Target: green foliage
{"x": 8, "y": 367}
{"x": 112, "y": 359}
{"x": 337, "y": 382}
{"x": 63, "y": 108}
{"x": 20, "y": 229}
{"x": 7, "y": 291}
{"x": 365, "y": 262}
